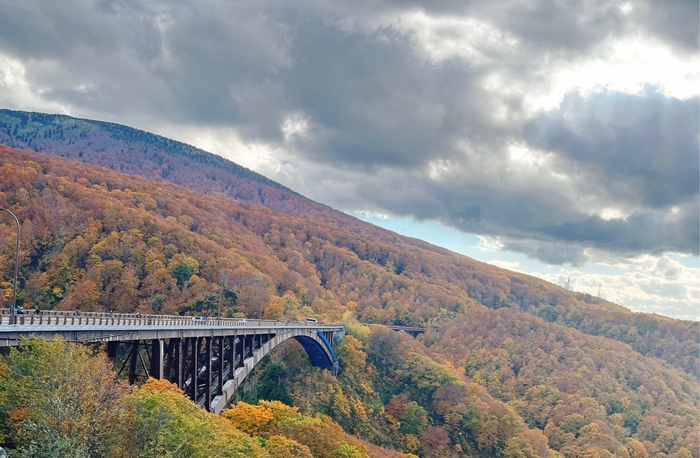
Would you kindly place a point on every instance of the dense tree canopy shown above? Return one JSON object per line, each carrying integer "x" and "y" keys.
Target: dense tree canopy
{"x": 510, "y": 365}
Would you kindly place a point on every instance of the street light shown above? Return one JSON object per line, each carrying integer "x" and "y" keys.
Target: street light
{"x": 14, "y": 286}
{"x": 224, "y": 277}
{"x": 153, "y": 285}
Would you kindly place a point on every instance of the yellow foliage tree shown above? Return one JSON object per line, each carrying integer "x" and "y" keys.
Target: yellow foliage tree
{"x": 59, "y": 397}
{"x": 250, "y": 419}
{"x": 281, "y": 447}
{"x": 169, "y": 424}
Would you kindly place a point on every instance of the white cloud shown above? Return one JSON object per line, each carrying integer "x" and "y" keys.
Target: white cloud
{"x": 651, "y": 284}
{"x": 509, "y": 265}
{"x": 627, "y": 65}
{"x": 226, "y": 142}
{"x": 442, "y": 38}
{"x": 17, "y": 92}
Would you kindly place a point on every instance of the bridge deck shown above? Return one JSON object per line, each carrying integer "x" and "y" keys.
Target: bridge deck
{"x": 94, "y": 327}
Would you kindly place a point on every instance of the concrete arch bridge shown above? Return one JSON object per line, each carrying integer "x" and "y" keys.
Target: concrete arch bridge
{"x": 208, "y": 358}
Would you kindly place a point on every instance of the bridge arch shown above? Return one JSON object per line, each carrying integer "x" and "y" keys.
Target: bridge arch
{"x": 315, "y": 343}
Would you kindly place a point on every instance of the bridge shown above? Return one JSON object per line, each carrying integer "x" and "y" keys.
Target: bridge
{"x": 413, "y": 330}
{"x": 208, "y": 358}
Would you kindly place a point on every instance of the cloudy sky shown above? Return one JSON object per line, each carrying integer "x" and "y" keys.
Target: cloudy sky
{"x": 553, "y": 137}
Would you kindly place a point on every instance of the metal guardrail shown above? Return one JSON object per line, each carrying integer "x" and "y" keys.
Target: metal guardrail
{"x": 75, "y": 318}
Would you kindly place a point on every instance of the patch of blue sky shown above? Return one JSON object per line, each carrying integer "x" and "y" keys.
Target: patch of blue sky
{"x": 470, "y": 245}
{"x": 685, "y": 259}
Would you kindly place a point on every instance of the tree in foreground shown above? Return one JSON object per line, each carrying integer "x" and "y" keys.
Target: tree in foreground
{"x": 61, "y": 400}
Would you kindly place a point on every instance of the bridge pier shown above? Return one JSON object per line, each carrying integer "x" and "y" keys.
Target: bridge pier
{"x": 113, "y": 350}
{"x": 156, "y": 359}
{"x": 196, "y": 345}
{"x": 222, "y": 363}
{"x": 168, "y": 350}
{"x": 133, "y": 359}
{"x": 240, "y": 348}
{"x": 208, "y": 367}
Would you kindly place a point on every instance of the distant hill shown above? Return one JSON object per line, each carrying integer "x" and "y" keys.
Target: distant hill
{"x": 151, "y": 156}
{"x": 499, "y": 373}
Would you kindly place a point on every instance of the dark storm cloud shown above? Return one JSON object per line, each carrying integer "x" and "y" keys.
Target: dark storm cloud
{"x": 648, "y": 144}
{"x": 646, "y": 231}
{"x": 55, "y": 30}
{"x": 374, "y": 102}
{"x": 550, "y": 253}
{"x": 673, "y": 20}
{"x": 413, "y": 133}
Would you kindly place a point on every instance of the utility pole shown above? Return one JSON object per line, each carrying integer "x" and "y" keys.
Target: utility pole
{"x": 261, "y": 290}
{"x": 153, "y": 284}
{"x": 14, "y": 284}
{"x": 224, "y": 277}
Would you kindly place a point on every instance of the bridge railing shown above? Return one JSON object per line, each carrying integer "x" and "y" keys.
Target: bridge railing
{"x": 75, "y": 318}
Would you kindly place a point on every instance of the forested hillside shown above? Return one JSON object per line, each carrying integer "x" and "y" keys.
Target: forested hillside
{"x": 61, "y": 400}
{"x": 157, "y": 158}
{"x": 501, "y": 371}
{"x": 140, "y": 153}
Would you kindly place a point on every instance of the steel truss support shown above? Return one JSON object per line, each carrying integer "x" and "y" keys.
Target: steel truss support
{"x": 133, "y": 359}
{"x": 208, "y": 371}
{"x": 200, "y": 366}
{"x": 221, "y": 363}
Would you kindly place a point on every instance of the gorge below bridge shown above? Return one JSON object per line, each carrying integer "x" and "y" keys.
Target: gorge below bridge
{"x": 207, "y": 358}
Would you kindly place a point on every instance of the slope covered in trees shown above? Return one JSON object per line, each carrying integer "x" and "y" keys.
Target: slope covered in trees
{"x": 60, "y": 400}
{"x": 498, "y": 373}
{"x": 136, "y": 152}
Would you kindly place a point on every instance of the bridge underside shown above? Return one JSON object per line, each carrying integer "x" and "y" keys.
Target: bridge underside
{"x": 218, "y": 365}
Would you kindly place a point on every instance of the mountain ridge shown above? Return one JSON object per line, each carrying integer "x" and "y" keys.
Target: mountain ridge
{"x": 142, "y": 153}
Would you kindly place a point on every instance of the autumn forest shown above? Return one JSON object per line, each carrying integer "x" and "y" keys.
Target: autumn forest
{"x": 510, "y": 365}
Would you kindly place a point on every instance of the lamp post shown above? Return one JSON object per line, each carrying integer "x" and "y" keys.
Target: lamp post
{"x": 224, "y": 277}
{"x": 153, "y": 284}
{"x": 14, "y": 285}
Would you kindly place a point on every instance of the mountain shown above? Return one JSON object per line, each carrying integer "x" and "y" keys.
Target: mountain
{"x": 510, "y": 365}
{"x": 136, "y": 152}
{"x": 140, "y": 153}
